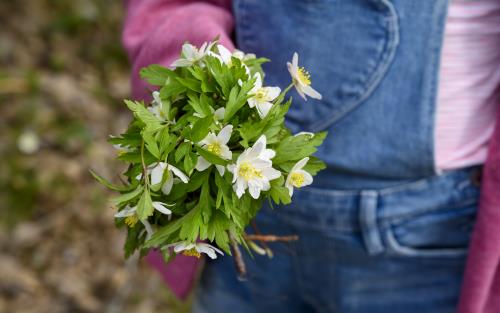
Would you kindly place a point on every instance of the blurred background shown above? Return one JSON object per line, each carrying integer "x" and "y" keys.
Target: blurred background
{"x": 63, "y": 74}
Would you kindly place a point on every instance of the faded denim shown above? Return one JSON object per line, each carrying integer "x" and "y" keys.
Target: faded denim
{"x": 380, "y": 230}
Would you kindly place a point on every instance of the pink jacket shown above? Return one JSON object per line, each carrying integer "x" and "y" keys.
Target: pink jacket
{"x": 154, "y": 32}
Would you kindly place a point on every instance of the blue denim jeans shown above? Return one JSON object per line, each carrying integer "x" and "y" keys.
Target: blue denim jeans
{"x": 399, "y": 250}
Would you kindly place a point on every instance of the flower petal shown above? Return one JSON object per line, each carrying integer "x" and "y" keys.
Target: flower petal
{"x": 207, "y": 250}
{"x": 202, "y": 164}
{"x": 160, "y": 206}
{"x": 295, "y": 60}
{"x": 167, "y": 186}
{"x": 219, "y": 113}
{"x": 178, "y": 173}
{"x": 224, "y": 53}
{"x": 221, "y": 169}
{"x": 183, "y": 245}
{"x": 273, "y": 92}
{"x": 254, "y": 191}
{"x": 309, "y": 91}
{"x": 181, "y": 63}
{"x": 157, "y": 174}
{"x": 148, "y": 228}
{"x": 263, "y": 108}
{"x": 127, "y": 211}
{"x": 258, "y": 81}
{"x": 225, "y": 153}
{"x": 300, "y": 164}
{"x": 225, "y": 134}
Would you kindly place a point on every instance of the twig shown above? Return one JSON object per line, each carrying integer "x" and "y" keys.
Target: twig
{"x": 257, "y": 231}
{"x": 271, "y": 238}
{"x": 238, "y": 259}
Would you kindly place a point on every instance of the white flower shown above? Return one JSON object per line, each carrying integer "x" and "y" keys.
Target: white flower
{"x": 219, "y": 113}
{"x": 194, "y": 249}
{"x": 225, "y": 56}
{"x": 262, "y": 96}
{"x": 218, "y": 146}
{"x": 253, "y": 170}
{"x": 301, "y": 79}
{"x": 191, "y": 54}
{"x": 298, "y": 177}
{"x": 158, "y": 171}
{"x": 157, "y": 107}
{"x": 243, "y": 56}
{"x": 130, "y": 215}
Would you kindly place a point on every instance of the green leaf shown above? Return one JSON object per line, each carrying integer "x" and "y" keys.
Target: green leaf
{"x": 189, "y": 162}
{"x": 164, "y": 139}
{"x": 143, "y": 114}
{"x": 201, "y": 128}
{"x": 190, "y": 83}
{"x": 126, "y": 197}
{"x": 156, "y": 74}
{"x": 294, "y": 148}
{"x": 145, "y": 205}
{"x": 151, "y": 144}
{"x": 163, "y": 233}
{"x": 197, "y": 180}
{"x": 182, "y": 150}
{"x": 201, "y": 105}
{"x": 279, "y": 193}
{"x": 205, "y": 202}
{"x": 172, "y": 89}
{"x": 107, "y": 184}
{"x": 237, "y": 98}
{"x": 210, "y": 157}
{"x": 191, "y": 227}
{"x": 132, "y": 242}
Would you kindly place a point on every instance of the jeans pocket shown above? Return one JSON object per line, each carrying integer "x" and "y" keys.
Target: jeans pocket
{"x": 444, "y": 232}
{"x": 345, "y": 71}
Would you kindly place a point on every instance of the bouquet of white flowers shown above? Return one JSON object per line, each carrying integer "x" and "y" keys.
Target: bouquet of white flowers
{"x": 207, "y": 151}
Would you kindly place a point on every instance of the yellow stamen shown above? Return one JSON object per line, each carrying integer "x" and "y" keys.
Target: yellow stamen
{"x": 261, "y": 95}
{"x": 297, "y": 179}
{"x": 304, "y": 76}
{"x": 191, "y": 252}
{"x": 215, "y": 148}
{"x": 131, "y": 220}
{"x": 247, "y": 171}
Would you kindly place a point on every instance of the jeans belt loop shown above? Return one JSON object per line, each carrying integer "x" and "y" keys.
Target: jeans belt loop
{"x": 368, "y": 222}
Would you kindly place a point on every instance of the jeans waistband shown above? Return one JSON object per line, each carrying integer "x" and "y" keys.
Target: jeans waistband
{"x": 370, "y": 211}
{"x": 340, "y": 209}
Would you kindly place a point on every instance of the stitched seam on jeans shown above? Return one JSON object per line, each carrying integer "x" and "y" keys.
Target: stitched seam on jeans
{"x": 401, "y": 218}
{"x": 403, "y": 250}
{"x": 391, "y": 43}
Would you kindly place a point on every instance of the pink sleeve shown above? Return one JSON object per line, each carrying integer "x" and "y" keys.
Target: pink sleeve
{"x": 153, "y": 33}
{"x": 481, "y": 287}
{"x": 155, "y": 30}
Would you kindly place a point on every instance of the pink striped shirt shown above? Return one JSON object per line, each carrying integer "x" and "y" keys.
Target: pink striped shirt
{"x": 469, "y": 87}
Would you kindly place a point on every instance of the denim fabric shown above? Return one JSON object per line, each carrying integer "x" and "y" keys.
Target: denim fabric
{"x": 400, "y": 250}
{"x": 380, "y": 231}
{"x": 376, "y": 62}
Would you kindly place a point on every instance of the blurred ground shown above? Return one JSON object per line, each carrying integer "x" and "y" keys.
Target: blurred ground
{"x": 62, "y": 77}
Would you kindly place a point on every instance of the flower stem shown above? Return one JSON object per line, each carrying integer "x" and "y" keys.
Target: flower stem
{"x": 144, "y": 169}
{"x": 272, "y": 238}
{"x": 238, "y": 259}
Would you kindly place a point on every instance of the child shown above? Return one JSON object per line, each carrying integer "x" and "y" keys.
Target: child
{"x": 410, "y": 95}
